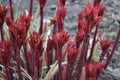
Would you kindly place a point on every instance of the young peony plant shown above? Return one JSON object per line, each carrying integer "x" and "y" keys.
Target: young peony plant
{"x": 27, "y": 55}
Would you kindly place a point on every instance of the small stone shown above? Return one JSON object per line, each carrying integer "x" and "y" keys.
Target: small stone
{"x": 53, "y": 7}
{"x": 116, "y": 72}
{"x": 105, "y": 76}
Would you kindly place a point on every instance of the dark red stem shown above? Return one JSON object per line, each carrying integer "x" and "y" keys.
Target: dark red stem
{"x": 38, "y": 66}
{"x": 26, "y": 59}
{"x": 86, "y": 49}
{"x": 1, "y": 34}
{"x": 93, "y": 43}
{"x": 33, "y": 63}
{"x": 41, "y": 20}
{"x": 81, "y": 60}
{"x": 113, "y": 49}
{"x": 18, "y": 64}
{"x": 60, "y": 26}
{"x": 69, "y": 71}
{"x": 8, "y": 72}
{"x": 11, "y": 10}
{"x": 102, "y": 56}
{"x": 59, "y": 53}
{"x": 30, "y": 7}
{"x": 54, "y": 29}
{"x": 49, "y": 55}
{"x": 83, "y": 54}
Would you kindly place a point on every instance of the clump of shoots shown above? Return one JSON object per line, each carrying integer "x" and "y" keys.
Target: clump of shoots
{"x": 27, "y": 55}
